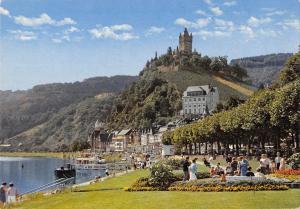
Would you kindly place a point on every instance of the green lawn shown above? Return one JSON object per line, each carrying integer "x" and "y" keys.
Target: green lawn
{"x": 109, "y": 195}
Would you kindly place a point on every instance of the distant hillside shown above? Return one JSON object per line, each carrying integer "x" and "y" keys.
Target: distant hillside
{"x": 23, "y": 110}
{"x": 64, "y": 127}
{"x": 263, "y": 69}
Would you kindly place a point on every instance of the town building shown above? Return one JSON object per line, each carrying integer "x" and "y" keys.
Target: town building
{"x": 199, "y": 100}
{"x": 125, "y": 140}
{"x": 99, "y": 138}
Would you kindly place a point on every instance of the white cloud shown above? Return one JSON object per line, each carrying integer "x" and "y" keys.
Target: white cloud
{"x": 116, "y": 32}
{"x": 224, "y": 25}
{"x": 209, "y": 2}
{"x": 201, "y": 12}
{"x": 4, "y": 11}
{"x": 216, "y": 33}
{"x": 278, "y": 12}
{"x": 199, "y": 23}
{"x": 268, "y": 32}
{"x": 154, "y": 29}
{"x": 43, "y": 19}
{"x": 23, "y": 35}
{"x": 121, "y": 27}
{"x": 254, "y": 22}
{"x": 245, "y": 29}
{"x": 291, "y": 23}
{"x": 65, "y": 21}
{"x": 216, "y": 10}
{"x": 72, "y": 29}
{"x": 229, "y": 3}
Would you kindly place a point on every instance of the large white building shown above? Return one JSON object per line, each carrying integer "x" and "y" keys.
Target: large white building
{"x": 199, "y": 100}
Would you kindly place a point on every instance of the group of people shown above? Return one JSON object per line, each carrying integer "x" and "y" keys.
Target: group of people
{"x": 8, "y": 194}
{"x": 240, "y": 166}
{"x": 236, "y": 166}
{"x": 189, "y": 169}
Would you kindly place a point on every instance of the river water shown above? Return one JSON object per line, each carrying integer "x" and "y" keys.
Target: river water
{"x": 36, "y": 171}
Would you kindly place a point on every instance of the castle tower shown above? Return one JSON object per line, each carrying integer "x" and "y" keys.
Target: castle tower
{"x": 185, "y": 42}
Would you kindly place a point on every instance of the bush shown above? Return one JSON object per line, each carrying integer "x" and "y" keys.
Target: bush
{"x": 161, "y": 176}
{"x": 175, "y": 164}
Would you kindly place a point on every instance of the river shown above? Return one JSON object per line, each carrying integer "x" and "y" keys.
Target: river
{"x": 36, "y": 171}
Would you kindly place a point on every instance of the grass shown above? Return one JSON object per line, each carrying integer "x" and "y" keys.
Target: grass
{"x": 38, "y": 154}
{"x": 109, "y": 195}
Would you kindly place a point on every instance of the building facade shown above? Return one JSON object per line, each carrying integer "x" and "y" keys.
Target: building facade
{"x": 185, "y": 42}
{"x": 199, "y": 100}
{"x": 99, "y": 138}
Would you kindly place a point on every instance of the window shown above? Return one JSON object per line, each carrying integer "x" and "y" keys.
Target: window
{"x": 203, "y": 99}
{"x": 194, "y": 99}
{"x": 195, "y": 111}
{"x": 185, "y": 111}
{"x": 190, "y": 100}
{"x": 194, "y": 106}
{"x": 199, "y": 99}
{"x": 190, "y": 111}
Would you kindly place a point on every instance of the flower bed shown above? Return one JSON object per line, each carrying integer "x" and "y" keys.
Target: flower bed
{"x": 286, "y": 175}
{"x": 217, "y": 186}
{"x": 288, "y": 172}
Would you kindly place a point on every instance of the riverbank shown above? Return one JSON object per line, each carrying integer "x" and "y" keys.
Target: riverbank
{"x": 109, "y": 194}
{"x": 39, "y": 154}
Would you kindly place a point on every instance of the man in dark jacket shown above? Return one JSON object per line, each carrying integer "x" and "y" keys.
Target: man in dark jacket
{"x": 185, "y": 168}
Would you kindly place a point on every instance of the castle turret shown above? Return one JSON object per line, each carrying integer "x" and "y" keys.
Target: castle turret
{"x": 185, "y": 42}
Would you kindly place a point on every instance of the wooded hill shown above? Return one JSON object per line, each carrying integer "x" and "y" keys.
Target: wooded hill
{"x": 23, "y": 110}
{"x": 263, "y": 69}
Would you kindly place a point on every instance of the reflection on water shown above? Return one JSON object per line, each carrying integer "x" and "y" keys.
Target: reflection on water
{"x": 36, "y": 171}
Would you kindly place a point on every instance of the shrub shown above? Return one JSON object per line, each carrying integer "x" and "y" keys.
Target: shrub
{"x": 175, "y": 164}
{"x": 161, "y": 176}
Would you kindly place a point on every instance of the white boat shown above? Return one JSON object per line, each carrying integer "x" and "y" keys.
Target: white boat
{"x": 90, "y": 161}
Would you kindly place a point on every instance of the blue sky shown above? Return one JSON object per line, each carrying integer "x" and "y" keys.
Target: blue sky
{"x": 46, "y": 41}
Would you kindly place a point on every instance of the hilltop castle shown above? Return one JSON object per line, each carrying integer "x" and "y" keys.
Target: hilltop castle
{"x": 185, "y": 42}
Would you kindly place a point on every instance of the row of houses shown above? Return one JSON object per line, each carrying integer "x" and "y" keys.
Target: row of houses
{"x": 198, "y": 101}
{"x": 146, "y": 140}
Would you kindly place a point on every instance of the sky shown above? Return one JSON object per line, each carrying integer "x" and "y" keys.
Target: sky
{"x": 47, "y": 41}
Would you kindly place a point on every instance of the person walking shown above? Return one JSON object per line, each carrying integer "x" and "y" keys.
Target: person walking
{"x": 3, "y": 194}
{"x": 193, "y": 170}
{"x": 185, "y": 168}
{"x": 12, "y": 193}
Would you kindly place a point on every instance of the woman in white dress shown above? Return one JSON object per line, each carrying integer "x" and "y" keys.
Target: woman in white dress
{"x": 193, "y": 170}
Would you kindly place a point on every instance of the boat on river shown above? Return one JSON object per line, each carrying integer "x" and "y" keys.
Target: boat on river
{"x": 90, "y": 161}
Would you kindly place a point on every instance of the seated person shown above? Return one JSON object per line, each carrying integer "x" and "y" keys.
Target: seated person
{"x": 249, "y": 172}
{"x": 206, "y": 163}
{"x": 228, "y": 169}
{"x": 218, "y": 169}
{"x": 259, "y": 173}
{"x": 213, "y": 173}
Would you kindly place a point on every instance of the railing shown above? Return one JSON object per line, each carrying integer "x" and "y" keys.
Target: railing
{"x": 59, "y": 183}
